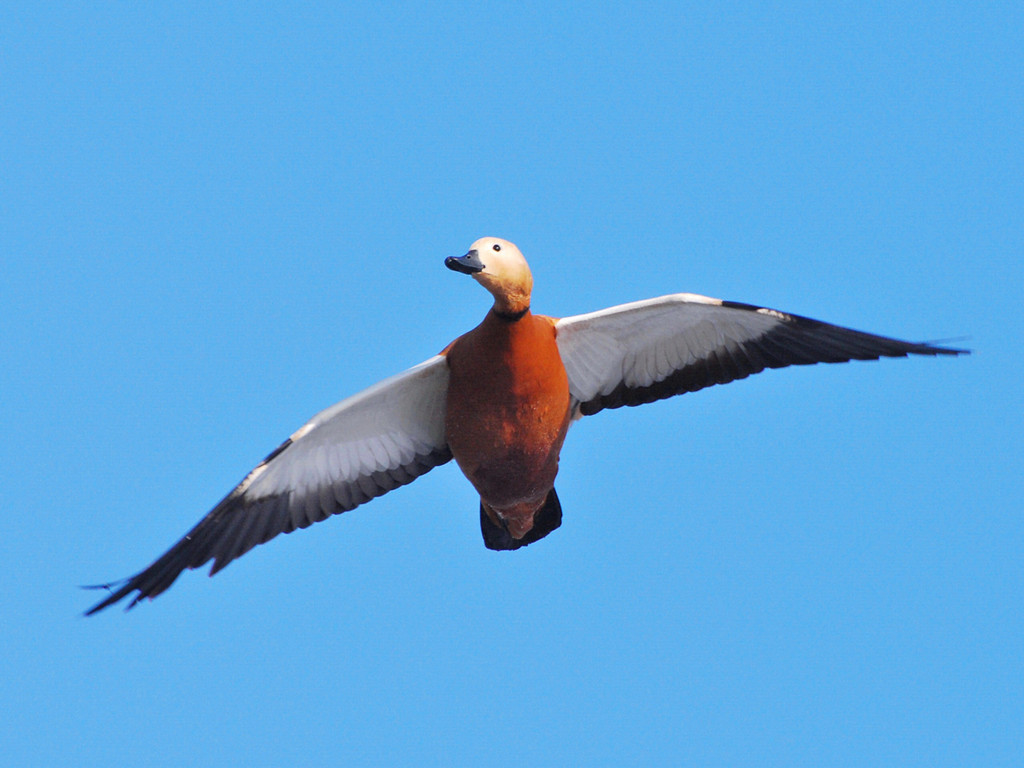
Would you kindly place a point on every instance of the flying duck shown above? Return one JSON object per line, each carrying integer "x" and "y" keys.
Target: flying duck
{"x": 499, "y": 400}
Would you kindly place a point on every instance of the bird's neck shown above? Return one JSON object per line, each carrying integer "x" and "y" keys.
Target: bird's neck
{"x": 511, "y": 304}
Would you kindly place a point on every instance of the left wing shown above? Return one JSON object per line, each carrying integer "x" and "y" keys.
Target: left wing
{"x": 648, "y": 350}
{"x": 373, "y": 442}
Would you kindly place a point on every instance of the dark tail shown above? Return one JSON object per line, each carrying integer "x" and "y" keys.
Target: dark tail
{"x": 545, "y": 520}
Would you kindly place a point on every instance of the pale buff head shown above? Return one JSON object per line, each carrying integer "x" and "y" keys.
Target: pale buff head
{"x": 500, "y": 268}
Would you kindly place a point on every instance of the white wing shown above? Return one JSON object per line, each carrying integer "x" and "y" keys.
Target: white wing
{"x": 365, "y": 446}
{"x": 648, "y": 350}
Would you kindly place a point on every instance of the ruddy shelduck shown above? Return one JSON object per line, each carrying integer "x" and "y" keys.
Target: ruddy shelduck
{"x": 499, "y": 400}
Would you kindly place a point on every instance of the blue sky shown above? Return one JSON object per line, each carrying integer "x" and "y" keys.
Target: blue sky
{"x": 215, "y": 222}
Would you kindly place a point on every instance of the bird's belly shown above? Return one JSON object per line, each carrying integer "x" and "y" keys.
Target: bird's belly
{"x": 509, "y": 454}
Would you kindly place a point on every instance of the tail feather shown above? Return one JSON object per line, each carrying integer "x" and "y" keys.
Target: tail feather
{"x": 545, "y": 520}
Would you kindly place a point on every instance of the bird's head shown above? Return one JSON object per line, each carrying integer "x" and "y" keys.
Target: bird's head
{"x": 500, "y": 268}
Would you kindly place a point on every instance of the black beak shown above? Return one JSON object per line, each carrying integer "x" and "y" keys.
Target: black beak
{"x": 468, "y": 264}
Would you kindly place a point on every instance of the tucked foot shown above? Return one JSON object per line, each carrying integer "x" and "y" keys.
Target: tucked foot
{"x": 545, "y": 520}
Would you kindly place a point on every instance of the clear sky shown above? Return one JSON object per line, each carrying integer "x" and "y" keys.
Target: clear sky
{"x": 216, "y": 221}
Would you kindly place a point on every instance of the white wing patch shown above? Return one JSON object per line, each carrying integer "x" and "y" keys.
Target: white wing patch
{"x": 382, "y": 428}
{"x": 639, "y": 344}
{"x": 645, "y": 351}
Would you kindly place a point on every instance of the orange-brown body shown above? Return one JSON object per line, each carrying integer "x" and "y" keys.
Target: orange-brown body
{"x": 507, "y": 414}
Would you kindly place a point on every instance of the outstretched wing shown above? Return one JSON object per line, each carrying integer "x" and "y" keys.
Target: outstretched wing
{"x": 648, "y": 350}
{"x": 373, "y": 442}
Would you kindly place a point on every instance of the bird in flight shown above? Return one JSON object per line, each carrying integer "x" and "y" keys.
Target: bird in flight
{"x": 499, "y": 400}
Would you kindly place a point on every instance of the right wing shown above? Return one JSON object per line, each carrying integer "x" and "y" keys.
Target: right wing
{"x": 363, "y": 447}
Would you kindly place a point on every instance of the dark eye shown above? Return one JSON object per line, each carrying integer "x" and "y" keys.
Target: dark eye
{"x": 496, "y": 247}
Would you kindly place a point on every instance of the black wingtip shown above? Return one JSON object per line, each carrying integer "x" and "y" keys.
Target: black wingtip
{"x": 942, "y": 348}
{"x": 118, "y": 591}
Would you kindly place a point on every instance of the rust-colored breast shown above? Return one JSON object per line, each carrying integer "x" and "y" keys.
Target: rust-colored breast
{"x": 508, "y": 408}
